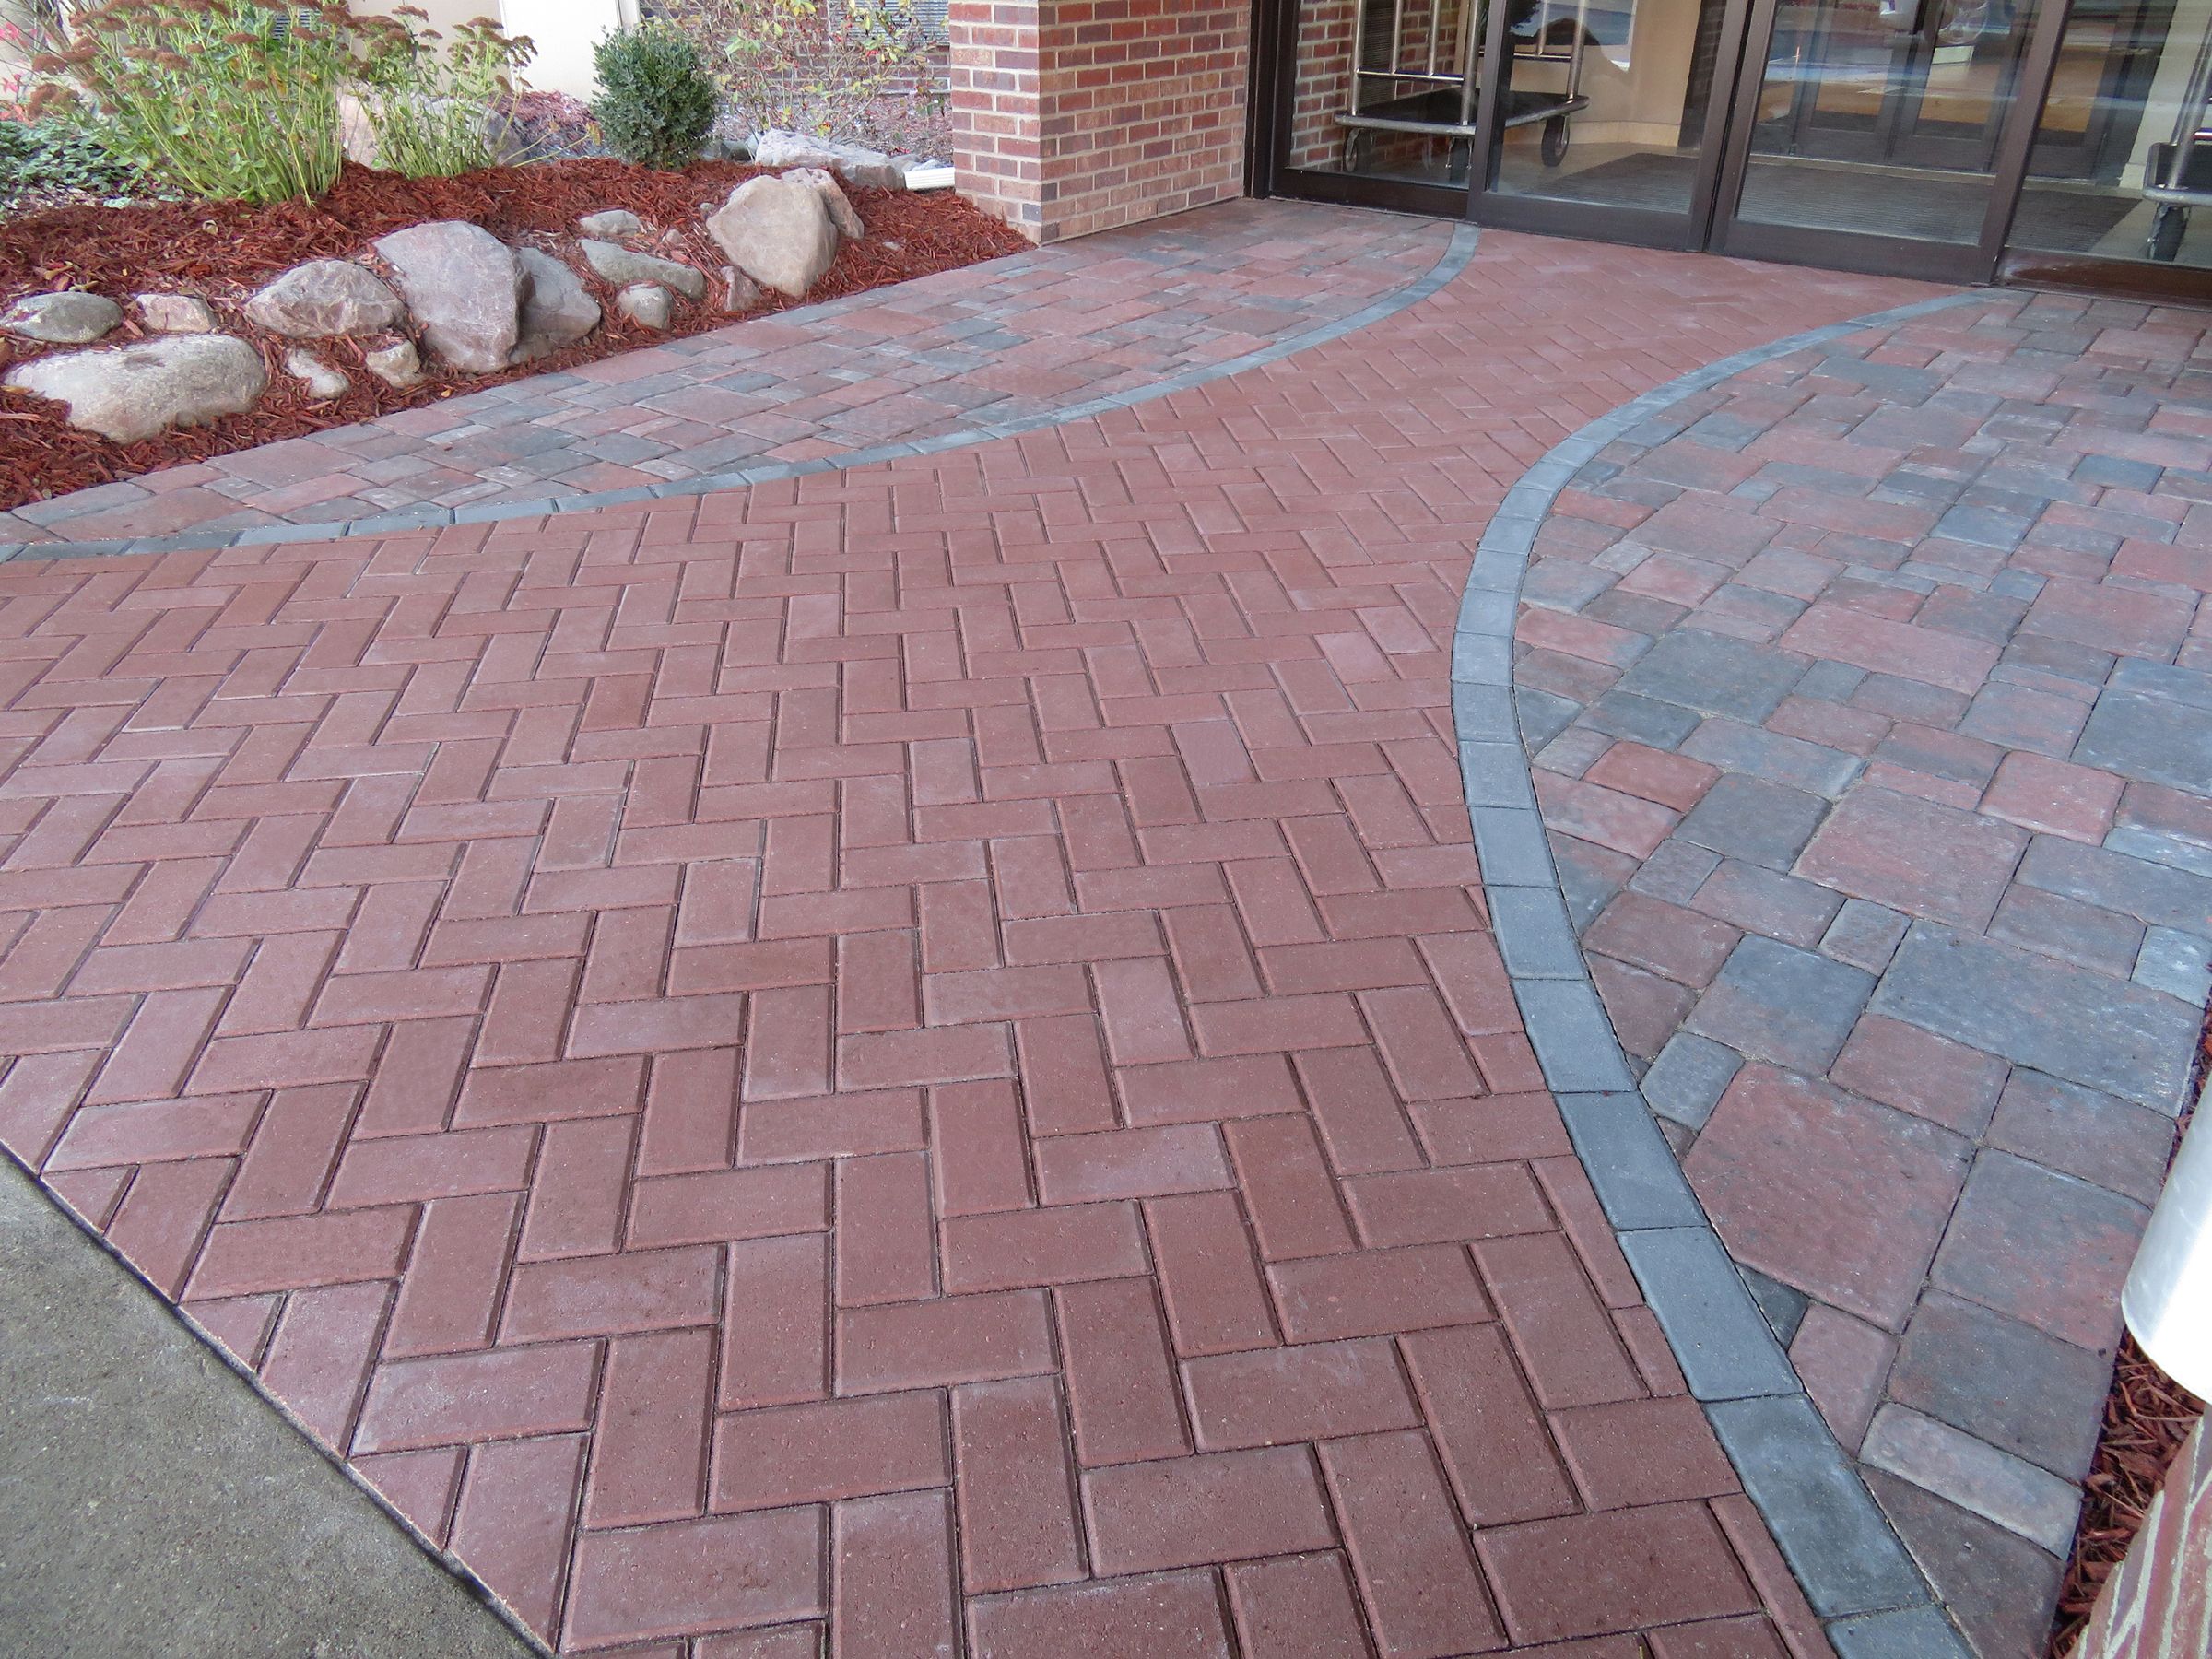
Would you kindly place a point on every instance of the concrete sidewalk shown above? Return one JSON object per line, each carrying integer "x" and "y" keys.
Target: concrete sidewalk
{"x": 152, "y": 1504}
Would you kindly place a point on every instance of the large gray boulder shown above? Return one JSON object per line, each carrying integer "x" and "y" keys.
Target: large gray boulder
{"x": 556, "y": 310}
{"x": 66, "y": 318}
{"x": 778, "y": 232}
{"x": 325, "y": 296}
{"x": 621, "y": 265}
{"x": 464, "y": 287}
{"x": 127, "y": 392}
{"x": 841, "y": 212}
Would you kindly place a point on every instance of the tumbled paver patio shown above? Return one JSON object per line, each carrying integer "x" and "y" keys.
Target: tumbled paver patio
{"x": 1869, "y": 692}
{"x": 919, "y": 1050}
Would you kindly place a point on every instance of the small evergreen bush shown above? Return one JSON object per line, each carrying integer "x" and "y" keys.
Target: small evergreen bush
{"x": 655, "y": 104}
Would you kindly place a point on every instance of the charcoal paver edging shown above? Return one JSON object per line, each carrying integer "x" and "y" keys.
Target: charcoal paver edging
{"x": 1457, "y": 252}
{"x": 1870, "y": 1594}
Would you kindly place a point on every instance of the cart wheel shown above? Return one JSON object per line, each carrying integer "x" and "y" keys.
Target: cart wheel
{"x": 2166, "y": 227}
{"x": 1460, "y": 158}
{"x": 1359, "y": 149}
{"x": 1555, "y": 141}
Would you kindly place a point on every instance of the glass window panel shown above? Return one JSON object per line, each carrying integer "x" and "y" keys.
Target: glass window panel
{"x": 2122, "y": 166}
{"x": 1606, "y": 100}
{"x": 1385, "y": 88}
{"x": 1883, "y": 116}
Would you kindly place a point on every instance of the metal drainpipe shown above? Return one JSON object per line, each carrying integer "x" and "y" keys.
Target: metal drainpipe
{"x": 2168, "y": 1301}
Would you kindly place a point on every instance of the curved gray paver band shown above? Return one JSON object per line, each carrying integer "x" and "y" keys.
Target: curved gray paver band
{"x": 1859, "y": 1577}
{"x": 1457, "y": 252}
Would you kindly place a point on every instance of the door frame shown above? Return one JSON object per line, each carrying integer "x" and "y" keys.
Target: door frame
{"x": 1600, "y": 221}
{"x": 1969, "y": 262}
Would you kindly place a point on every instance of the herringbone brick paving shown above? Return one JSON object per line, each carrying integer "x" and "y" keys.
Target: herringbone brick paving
{"x": 912, "y": 1052}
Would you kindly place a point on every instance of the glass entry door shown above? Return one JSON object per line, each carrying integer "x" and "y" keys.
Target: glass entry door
{"x": 1869, "y": 131}
{"x": 1906, "y": 137}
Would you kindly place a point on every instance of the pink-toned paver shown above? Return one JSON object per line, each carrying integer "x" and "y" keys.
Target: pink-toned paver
{"x": 913, "y": 1051}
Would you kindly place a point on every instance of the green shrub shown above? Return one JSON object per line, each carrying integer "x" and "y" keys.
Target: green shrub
{"x": 37, "y": 157}
{"x": 429, "y": 105}
{"x": 655, "y": 104}
{"x": 226, "y": 99}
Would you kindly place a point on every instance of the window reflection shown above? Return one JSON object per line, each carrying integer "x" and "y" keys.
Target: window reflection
{"x": 2119, "y": 171}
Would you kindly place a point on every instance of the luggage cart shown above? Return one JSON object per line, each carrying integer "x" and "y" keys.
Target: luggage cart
{"x": 2177, "y": 175}
{"x": 1421, "y": 71}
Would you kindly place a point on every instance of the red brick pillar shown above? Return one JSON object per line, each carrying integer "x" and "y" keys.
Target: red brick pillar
{"x": 995, "y": 80}
{"x": 1071, "y": 116}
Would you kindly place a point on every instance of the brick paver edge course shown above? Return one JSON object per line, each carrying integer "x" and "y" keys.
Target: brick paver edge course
{"x": 1858, "y": 1575}
{"x": 1457, "y": 252}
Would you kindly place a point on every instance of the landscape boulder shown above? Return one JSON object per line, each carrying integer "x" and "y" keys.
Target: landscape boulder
{"x": 621, "y": 265}
{"x": 841, "y": 213}
{"x": 398, "y": 366}
{"x": 777, "y": 231}
{"x": 321, "y": 381}
{"x": 464, "y": 287}
{"x": 743, "y": 293}
{"x": 855, "y": 163}
{"x": 66, "y": 318}
{"x": 325, "y": 296}
{"x": 556, "y": 310}
{"x": 776, "y": 147}
{"x": 127, "y": 392}
{"x": 645, "y": 302}
{"x": 610, "y": 224}
{"x": 176, "y": 313}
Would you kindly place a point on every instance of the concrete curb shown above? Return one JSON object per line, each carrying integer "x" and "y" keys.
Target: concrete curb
{"x": 1862, "y": 1581}
{"x": 1454, "y": 260}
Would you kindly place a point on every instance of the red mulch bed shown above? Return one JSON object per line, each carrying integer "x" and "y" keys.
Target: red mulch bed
{"x": 2146, "y": 1418}
{"x": 225, "y": 250}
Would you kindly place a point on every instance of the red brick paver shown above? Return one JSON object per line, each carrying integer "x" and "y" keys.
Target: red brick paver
{"x": 915, "y": 1050}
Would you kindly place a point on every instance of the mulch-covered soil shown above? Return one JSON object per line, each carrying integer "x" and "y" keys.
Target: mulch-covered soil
{"x": 2147, "y": 1417}
{"x": 224, "y": 251}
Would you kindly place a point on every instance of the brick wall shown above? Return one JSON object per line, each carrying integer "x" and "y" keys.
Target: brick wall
{"x": 1323, "y": 89}
{"x": 1077, "y": 115}
{"x": 2159, "y": 1605}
